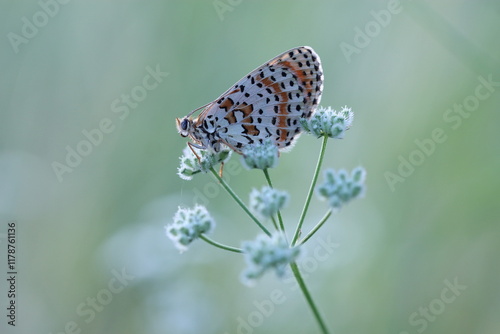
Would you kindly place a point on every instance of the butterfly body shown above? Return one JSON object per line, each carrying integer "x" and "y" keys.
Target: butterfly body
{"x": 265, "y": 104}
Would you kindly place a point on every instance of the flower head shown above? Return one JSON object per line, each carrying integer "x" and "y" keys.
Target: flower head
{"x": 340, "y": 187}
{"x": 190, "y": 165}
{"x": 260, "y": 156}
{"x": 267, "y": 252}
{"x": 268, "y": 201}
{"x": 328, "y": 122}
{"x": 188, "y": 225}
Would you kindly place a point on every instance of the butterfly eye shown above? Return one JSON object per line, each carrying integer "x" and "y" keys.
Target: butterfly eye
{"x": 184, "y": 124}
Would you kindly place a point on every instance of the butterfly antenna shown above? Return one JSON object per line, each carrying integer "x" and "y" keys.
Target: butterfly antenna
{"x": 202, "y": 107}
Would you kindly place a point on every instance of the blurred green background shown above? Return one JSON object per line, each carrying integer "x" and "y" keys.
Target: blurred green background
{"x": 92, "y": 255}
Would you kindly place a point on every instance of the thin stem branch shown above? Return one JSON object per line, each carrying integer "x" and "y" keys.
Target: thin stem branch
{"x": 275, "y": 224}
{"x": 268, "y": 178}
{"x": 238, "y": 200}
{"x": 317, "y": 227}
{"x": 311, "y": 190}
{"x": 307, "y": 295}
{"x": 280, "y": 219}
{"x": 219, "y": 245}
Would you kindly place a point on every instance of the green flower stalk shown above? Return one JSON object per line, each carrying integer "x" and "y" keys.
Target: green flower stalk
{"x": 271, "y": 251}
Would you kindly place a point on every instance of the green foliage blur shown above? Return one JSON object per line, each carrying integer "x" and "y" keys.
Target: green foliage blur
{"x": 89, "y": 150}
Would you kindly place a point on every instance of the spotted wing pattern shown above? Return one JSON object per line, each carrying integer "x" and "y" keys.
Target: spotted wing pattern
{"x": 267, "y": 103}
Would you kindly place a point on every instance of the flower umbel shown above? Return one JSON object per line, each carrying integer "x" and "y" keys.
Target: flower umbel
{"x": 266, "y": 253}
{"x": 190, "y": 165}
{"x": 328, "y": 122}
{"x": 188, "y": 225}
{"x": 340, "y": 187}
{"x": 260, "y": 156}
{"x": 268, "y": 201}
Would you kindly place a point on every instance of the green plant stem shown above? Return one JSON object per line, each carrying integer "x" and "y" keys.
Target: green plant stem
{"x": 307, "y": 295}
{"x": 219, "y": 245}
{"x": 275, "y": 224}
{"x": 239, "y": 201}
{"x": 311, "y": 191}
{"x": 280, "y": 219}
{"x": 317, "y": 227}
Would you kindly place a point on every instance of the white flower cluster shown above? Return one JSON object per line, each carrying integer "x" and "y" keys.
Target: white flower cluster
{"x": 191, "y": 165}
{"x": 267, "y": 252}
{"x": 328, "y": 122}
{"x": 188, "y": 225}
{"x": 260, "y": 156}
{"x": 267, "y": 201}
{"x": 340, "y": 187}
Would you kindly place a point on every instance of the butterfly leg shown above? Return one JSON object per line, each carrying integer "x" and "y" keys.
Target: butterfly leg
{"x": 191, "y": 145}
{"x": 231, "y": 146}
{"x": 221, "y": 169}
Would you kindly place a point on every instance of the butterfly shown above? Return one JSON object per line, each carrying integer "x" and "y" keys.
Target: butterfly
{"x": 265, "y": 104}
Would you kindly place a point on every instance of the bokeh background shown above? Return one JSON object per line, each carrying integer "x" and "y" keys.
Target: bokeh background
{"x": 92, "y": 256}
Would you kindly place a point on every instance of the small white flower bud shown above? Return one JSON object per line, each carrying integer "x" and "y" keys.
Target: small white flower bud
{"x": 265, "y": 253}
{"x": 260, "y": 156}
{"x": 340, "y": 187}
{"x": 188, "y": 225}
